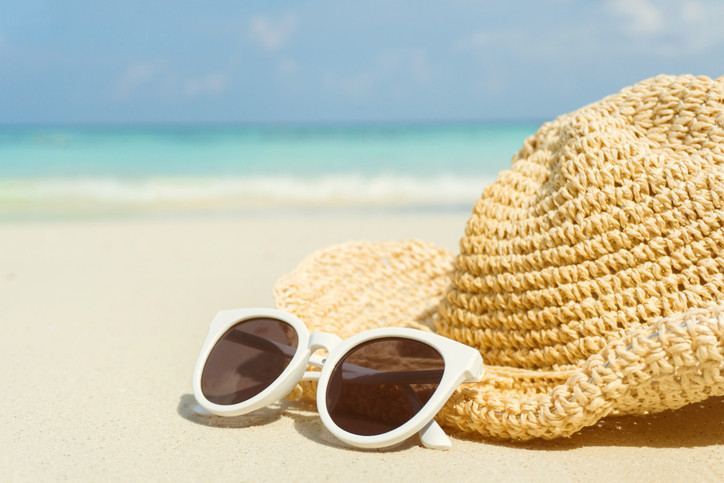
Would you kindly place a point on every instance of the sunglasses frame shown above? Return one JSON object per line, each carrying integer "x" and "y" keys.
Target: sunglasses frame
{"x": 463, "y": 364}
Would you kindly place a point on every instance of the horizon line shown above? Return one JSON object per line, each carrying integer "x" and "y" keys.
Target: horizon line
{"x": 270, "y": 124}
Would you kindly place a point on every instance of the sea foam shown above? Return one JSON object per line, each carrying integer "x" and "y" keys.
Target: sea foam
{"x": 245, "y": 191}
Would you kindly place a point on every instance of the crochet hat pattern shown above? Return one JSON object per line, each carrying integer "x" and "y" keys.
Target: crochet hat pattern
{"x": 590, "y": 275}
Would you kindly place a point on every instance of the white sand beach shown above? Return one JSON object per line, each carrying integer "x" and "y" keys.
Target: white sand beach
{"x": 102, "y": 321}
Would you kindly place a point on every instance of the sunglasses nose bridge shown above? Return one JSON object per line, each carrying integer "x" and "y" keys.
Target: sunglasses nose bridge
{"x": 323, "y": 340}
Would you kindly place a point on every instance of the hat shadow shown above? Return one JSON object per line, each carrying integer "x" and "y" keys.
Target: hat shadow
{"x": 695, "y": 425}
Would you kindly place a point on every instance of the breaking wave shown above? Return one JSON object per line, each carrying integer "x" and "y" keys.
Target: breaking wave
{"x": 245, "y": 192}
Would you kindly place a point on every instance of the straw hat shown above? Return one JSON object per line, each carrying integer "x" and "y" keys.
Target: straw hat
{"x": 590, "y": 275}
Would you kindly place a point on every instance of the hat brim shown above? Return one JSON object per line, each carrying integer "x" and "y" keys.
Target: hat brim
{"x": 665, "y": 364}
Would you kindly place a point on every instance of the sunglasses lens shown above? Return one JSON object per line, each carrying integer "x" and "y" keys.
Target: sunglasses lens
{"x": 247, "y": 359}
{"x": 381, "y": 384}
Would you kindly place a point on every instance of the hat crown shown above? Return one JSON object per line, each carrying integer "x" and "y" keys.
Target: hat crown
{"x": 610, "y": 217}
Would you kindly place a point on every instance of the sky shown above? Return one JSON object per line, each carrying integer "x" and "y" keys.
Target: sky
{"x": 151, "y": 61}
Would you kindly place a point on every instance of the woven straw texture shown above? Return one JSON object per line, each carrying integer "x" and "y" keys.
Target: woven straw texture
{"x": 590, "y": 275}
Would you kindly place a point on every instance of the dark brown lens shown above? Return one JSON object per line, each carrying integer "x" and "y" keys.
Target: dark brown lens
{"x": 247, "y": 359}
{"x": 381, "y": 384}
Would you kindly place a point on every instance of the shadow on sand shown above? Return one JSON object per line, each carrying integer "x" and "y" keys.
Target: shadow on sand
{"x": 303, "y": 413}
{"x": 700, "y": 424}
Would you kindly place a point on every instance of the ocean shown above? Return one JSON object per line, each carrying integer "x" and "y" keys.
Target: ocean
{"x": 66, "y": 171}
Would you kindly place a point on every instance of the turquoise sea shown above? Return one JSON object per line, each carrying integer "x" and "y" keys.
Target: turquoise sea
{"x": 52, "y": 170}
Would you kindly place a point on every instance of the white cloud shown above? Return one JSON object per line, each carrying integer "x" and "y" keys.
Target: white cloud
{"x": 643, "y": 17}
{"x": 405, "y": 66}
{"x": 671, "y": 27}
{"x": 210, "y": 84}
{"x": 420, "y": 66}
{"x": 661, "y": 28}
{"x": 479, "y": 39}
{"x": 702, "y": 24}
{"x": 288, "y": 66}
{"x": 526, "y": 43}
{"x": 158, "y": 78}
{"x": 272, "y": 34}
{"x": 136, "y": 75}
{"x": 693, "y": 12}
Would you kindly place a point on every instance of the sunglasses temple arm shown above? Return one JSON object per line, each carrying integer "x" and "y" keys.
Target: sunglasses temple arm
{"x": 365, "y": 375}
{"x": 261, "y": 343}
{"x": 431, "y": 435}
{"x": 271, "y": 346}
{"x": 315, "y": 361}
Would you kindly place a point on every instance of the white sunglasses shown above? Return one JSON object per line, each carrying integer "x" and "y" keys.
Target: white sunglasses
{"x": 375, "y": 389}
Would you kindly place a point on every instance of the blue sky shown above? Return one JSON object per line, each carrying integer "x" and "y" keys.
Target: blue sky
{"x": 327, "y": 61}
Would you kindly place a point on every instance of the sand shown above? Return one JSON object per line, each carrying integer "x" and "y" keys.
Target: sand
{"x": 102, "y": 322}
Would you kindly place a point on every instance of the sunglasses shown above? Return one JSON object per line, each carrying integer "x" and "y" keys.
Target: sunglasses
{"x": 375, "y": 389}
